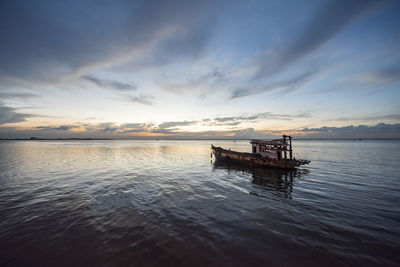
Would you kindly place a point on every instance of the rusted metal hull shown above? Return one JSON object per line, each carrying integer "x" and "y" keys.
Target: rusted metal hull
{"x": 255, "y": 160}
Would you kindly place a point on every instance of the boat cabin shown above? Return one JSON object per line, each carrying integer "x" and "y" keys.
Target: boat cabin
{"x": 279, "y": 149}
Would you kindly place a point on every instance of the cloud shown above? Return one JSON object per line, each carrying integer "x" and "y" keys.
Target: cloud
{"x": 147, "y": 100}
{"x": 104, "y": 128}
{"x": 285, "y": 86}
{"x": 351, "y": 128}
{"x": 216, "y": 81}
{"x": 386, "y": 117}
{"x": 109, "y": 129}
{"x": 142, "y": 99}
{"x": 374, "y": 79}
{"x": 9, "y": 115}
{"x": 146, "y": 130}
{"x": 16, "y": 95}
{"x": 49, "y": 41}
{"x": 203, "y": 83}
{"x": 229, "y": 121}
{"x": 264, "y": 72}
{"x": 171, "y": 124}
{"x": 250, "y": 133}
{"x": 380, "y": 130}
{"x": 262, "y": 116}
{"x": 136, "y": 127}
{"x": 174, "y": 126}
{"x": 114, "y": 128}
{"x": 176, "y": 129}
{"x": 328, "y": 21}
{"x": 111, "y": 84}
{"x": 58, "y": 128}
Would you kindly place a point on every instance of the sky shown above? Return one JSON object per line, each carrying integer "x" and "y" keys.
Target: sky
{"x": 199, "y": 69}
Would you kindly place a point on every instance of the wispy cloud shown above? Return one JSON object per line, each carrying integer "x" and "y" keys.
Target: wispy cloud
{"x": 201, "y": 48}
{"x": 374, "y": 79}
{"x": 328, "y": 21}
{"x": 262, "y": 116}
{"x": 17, "y": 95}
{"x": 111, "y": 84}
{"x": 142, "y": 99}
{"x": 147, "y": 100}
{"x": 380, "y": 130}
{"x": 204, "y": 82}
{"x": 229, "y": 121}
{"x": 385, "y": 117}
{"x": 264, "y": 70}
{"x": 171, "y": 124}
{"x": 10, "y": 115}
{"x": 56, "y": 42}
{"x": 282, "y": 86}
{"x": 58, "y": 128}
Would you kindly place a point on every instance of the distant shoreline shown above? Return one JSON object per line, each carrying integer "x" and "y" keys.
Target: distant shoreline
{"x": 53, "y": 139}
{"x": 184, "y": 139}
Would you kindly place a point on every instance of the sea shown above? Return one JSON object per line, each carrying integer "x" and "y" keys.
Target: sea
{"x": 169, "y": 203}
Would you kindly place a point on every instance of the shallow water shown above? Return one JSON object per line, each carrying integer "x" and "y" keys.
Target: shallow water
{"x": 146, "y": 203}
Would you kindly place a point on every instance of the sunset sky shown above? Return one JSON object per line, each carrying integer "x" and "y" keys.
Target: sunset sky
{"x": 199, "y": 69}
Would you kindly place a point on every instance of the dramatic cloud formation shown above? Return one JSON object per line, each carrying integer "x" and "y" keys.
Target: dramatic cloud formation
{"x": 52, "y": 41}
{"x": 198, "y": 69}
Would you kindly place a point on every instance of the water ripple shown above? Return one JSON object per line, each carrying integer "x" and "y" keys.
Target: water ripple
{"x": 151, "y": 203}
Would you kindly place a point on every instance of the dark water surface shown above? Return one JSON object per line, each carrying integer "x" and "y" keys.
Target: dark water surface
{"x": 148, "y": 203}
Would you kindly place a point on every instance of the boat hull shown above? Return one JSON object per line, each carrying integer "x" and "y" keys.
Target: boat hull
{"x": 250, "y": 159}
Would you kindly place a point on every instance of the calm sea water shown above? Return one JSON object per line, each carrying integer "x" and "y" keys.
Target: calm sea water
{"x": 151, "y": 203}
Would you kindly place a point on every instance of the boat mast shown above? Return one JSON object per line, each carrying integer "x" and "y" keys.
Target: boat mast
{"x": 284, "y": 146}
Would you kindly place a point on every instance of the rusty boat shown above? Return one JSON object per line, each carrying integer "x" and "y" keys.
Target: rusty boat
{"x": 275, "y": 153}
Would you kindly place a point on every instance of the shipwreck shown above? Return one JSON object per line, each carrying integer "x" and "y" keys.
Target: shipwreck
{"x": 275, "y": 153}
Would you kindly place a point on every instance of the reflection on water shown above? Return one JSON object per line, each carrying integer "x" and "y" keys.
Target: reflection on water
{"x": 273, "y": 180}
{"x": 149, "y": 203}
